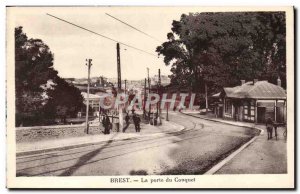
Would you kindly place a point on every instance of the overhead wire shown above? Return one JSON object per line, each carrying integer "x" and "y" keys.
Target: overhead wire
{"x": 134, "y": 28}
{"x": 103, "y": 36}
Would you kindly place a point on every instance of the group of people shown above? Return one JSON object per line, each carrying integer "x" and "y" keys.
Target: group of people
{"x": 270, "y": 125}
{"x": 108, "y": 125}
{"x": 136, "y": 120}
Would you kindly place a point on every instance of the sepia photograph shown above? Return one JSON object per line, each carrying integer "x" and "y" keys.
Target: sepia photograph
{"x": 150, "y": 97}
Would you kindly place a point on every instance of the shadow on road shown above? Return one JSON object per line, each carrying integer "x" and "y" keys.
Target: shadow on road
{"x": 85, "y": 158}
{"x": 138, "y": 172}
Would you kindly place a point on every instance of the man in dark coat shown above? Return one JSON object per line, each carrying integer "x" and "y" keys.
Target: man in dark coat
{"x": 127, "y": 118}
{"x": 106, "y": 125}
{"x": 269, "y": 125}
{"x": 136, "y": 121}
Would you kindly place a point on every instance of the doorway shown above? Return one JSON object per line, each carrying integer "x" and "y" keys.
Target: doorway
{"x": 261, "y": 114}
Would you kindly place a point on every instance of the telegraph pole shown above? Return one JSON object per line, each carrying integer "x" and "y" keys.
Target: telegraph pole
{"x": 119, "y": 86}
{"x": 149, "y": 91}
{"x": 159, "y": 93}
{"x": 145, "y": 97}
{"x": 125, "y": 85}
{"x": 125, "y": 92}
{"x": 167, "y": 118}
{"x": 119, "y": 67}
{"x": 89, "y": 64}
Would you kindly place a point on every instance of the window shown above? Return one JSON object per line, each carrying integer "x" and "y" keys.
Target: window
{"x": 249, "y": 111}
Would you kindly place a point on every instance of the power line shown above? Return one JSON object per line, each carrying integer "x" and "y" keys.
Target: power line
{"x": 134, "y": 28}
{"x": 83, "y": 28}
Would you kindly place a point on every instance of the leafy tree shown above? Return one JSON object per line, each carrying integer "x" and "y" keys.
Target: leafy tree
{"x": 220, "y": 49}
{"x": 41, "y": 95}
{"x": 64, "y": 100}
{"x": 270, "y": 41}
{"x": 33, "y": 69}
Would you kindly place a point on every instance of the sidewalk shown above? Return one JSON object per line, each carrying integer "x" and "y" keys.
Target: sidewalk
{"x": 262, "y": 156}
{"x": 73, "y": 142}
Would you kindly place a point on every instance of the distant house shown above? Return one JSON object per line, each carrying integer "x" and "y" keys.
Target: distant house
{"x": 94, "y": 102}
{"x": 253, "y": 101}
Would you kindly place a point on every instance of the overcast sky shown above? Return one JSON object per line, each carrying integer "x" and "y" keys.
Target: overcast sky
{"x": 71, "y": 45}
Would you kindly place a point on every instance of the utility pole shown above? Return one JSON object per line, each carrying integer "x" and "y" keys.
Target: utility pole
{"x": 149, "y": 91}
{"x": 158, "y": 86}
{"x": 125, "y": 85}
{"x": 125, "y": 92}
{"x": 89, "y": 64}
{"x": 159, "y": 102}
{"x": 145, "y": 97}
{"x": 148, "y": 79}
{"x": 119, "y": 86}
{"x": 167, "y": 118}
{"x": 119, "y": 67}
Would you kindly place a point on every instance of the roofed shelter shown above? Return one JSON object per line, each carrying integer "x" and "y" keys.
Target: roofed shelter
{"x": 253, "y": 101}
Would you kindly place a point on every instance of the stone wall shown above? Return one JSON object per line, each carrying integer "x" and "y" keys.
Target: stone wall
{"x": 38, "y": 133}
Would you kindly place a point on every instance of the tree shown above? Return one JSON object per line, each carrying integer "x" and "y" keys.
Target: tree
{"x": 270, "y": 41}
{"x": 220, "y": 49}
{"x": 64, "y": 100}
{"x": 33, "y": 69}
{"x": 41, "y": 95}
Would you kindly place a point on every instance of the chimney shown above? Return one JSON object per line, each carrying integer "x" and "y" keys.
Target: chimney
{"x": 243, "y": 81}
{"x": 278, "y": 81}
{"x": 254, "y": 81}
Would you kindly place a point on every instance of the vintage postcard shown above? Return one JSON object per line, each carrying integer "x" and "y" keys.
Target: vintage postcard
{"x": 150, "y": 97}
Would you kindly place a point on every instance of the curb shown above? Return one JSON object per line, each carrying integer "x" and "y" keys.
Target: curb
{"x": 67, "y": 147}
{"x": 224, "y": 122}
{"x": 220, "y": 164}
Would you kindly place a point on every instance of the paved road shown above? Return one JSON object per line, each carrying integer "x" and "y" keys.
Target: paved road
{"x": 192, "y": 151}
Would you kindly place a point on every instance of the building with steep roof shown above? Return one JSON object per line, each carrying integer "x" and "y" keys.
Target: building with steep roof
{"x": 253, "y": 101}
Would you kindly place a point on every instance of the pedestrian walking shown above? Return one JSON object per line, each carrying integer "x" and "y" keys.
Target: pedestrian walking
{"x": 136, "y": 121}
{"x": 134, "y": 118}
{"x": 269, "y": 125}
{"x": 127, "y": 118}
{"x": 106, "y": 125}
